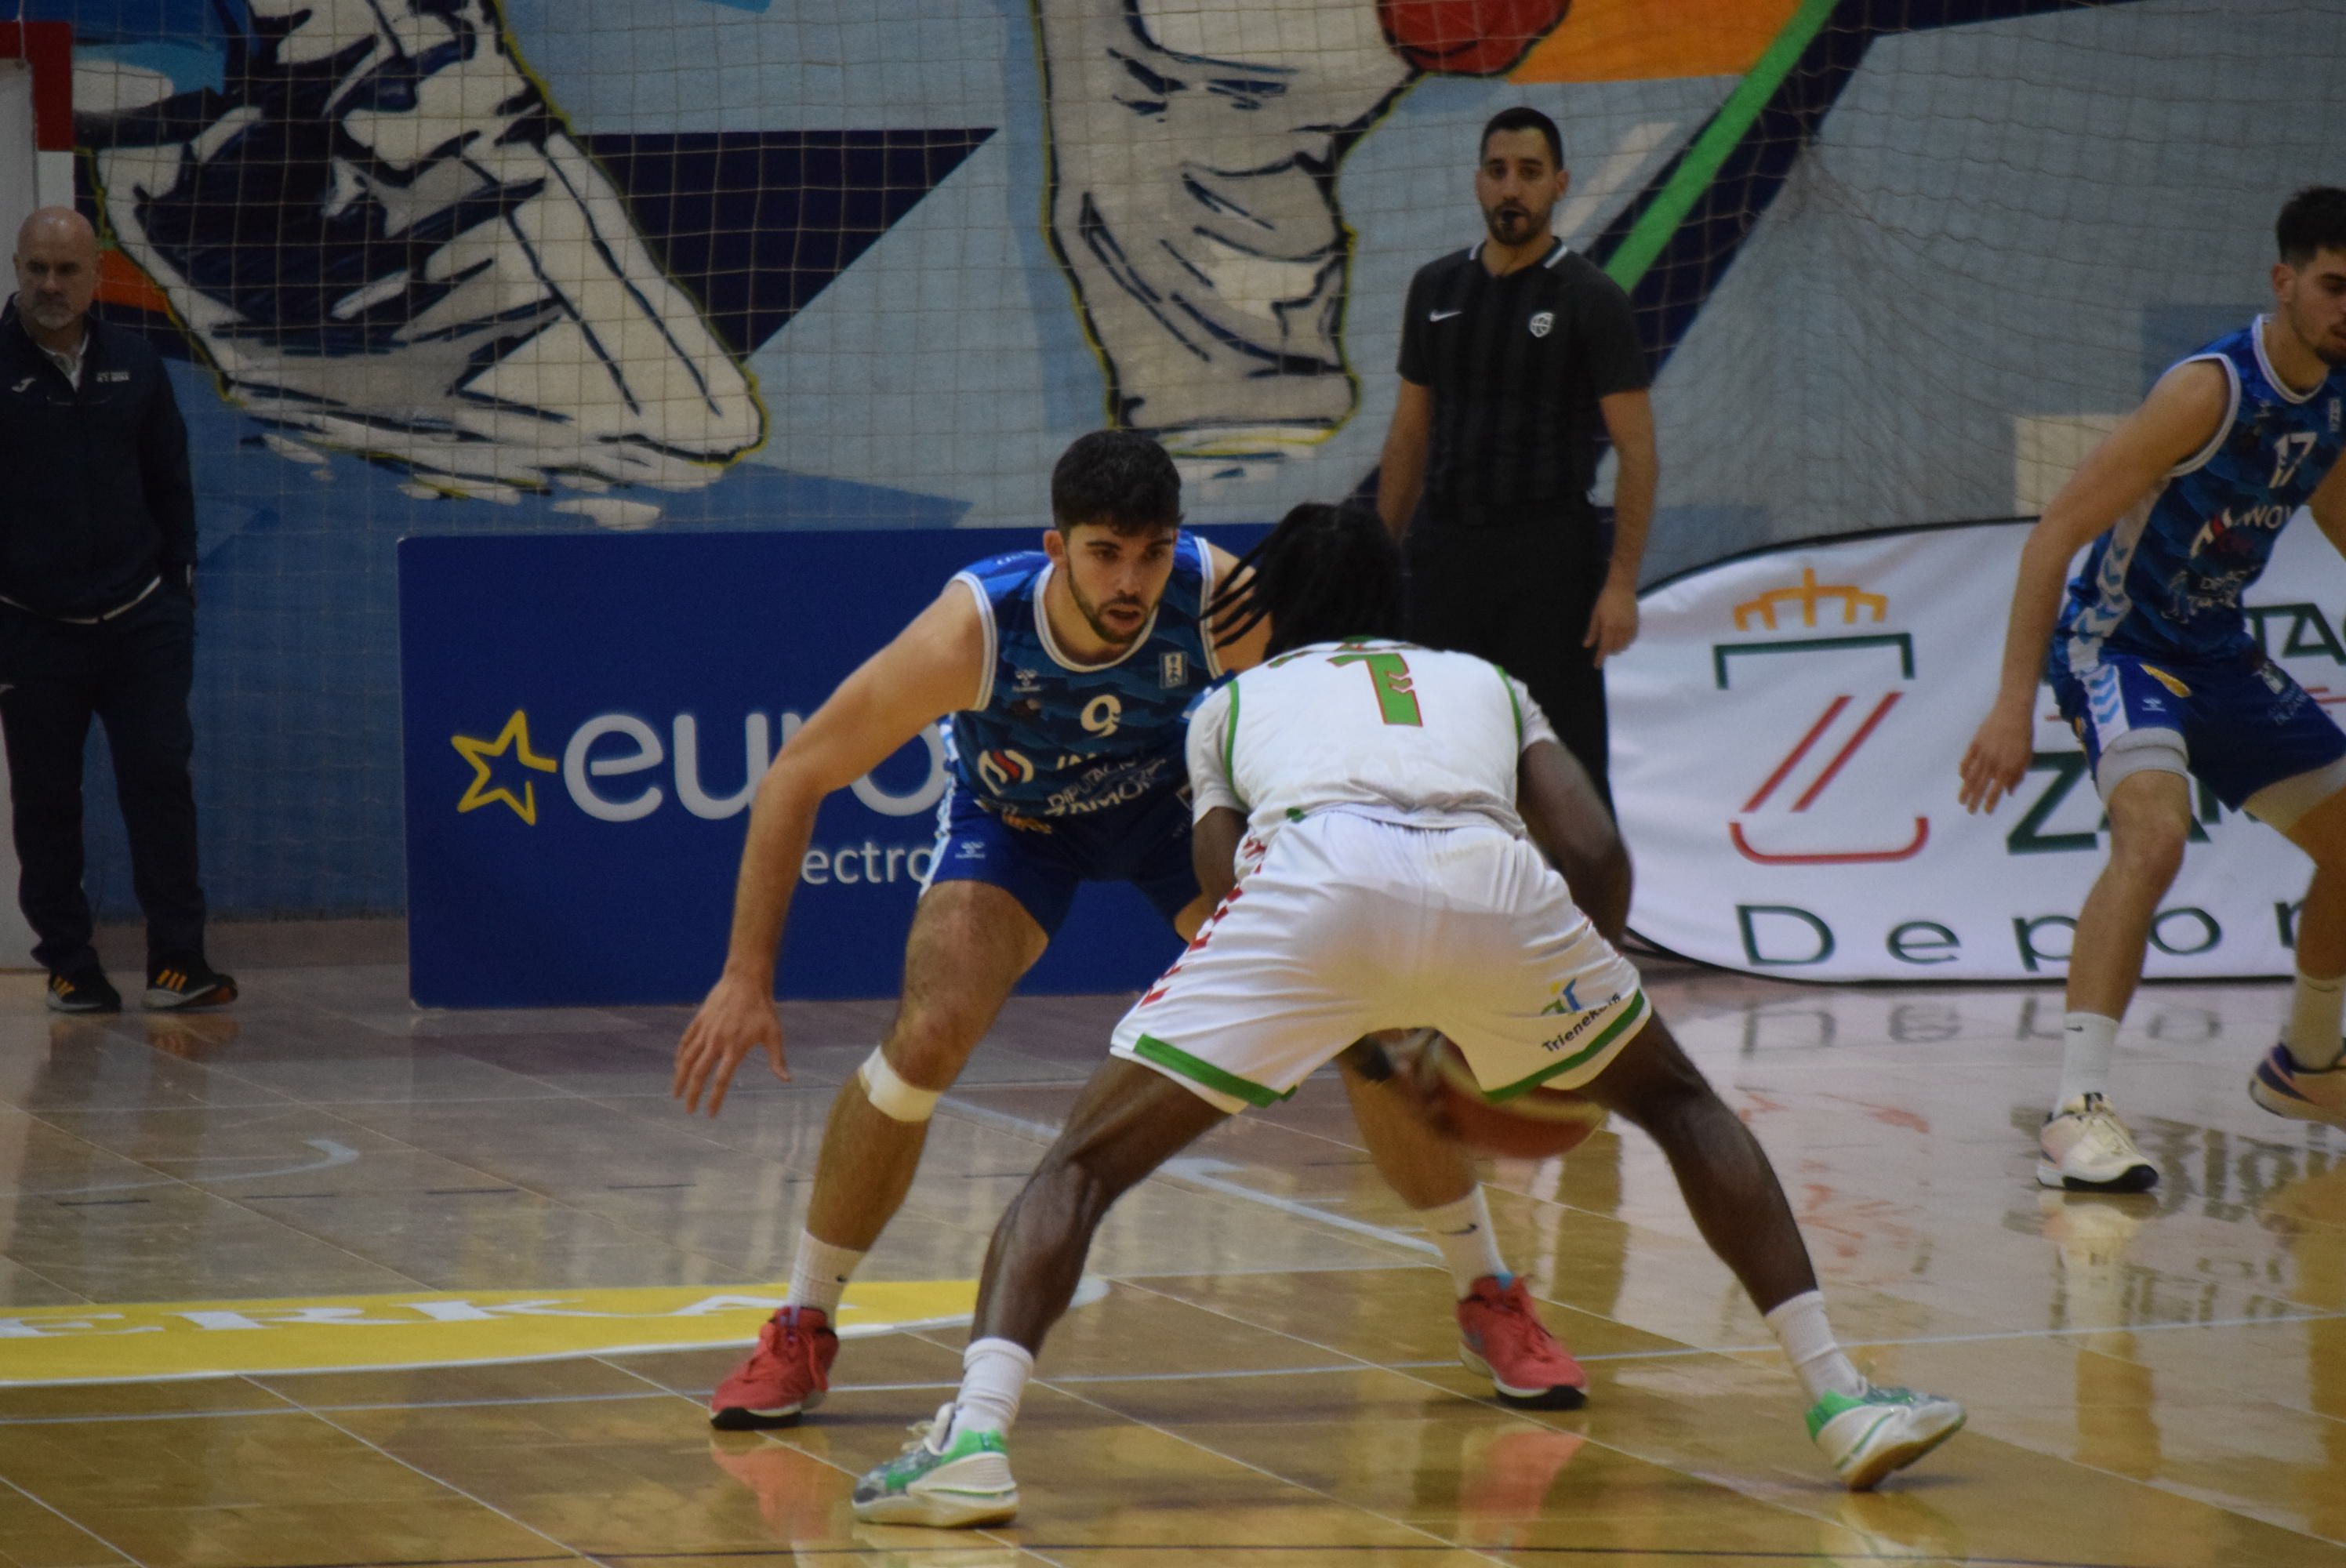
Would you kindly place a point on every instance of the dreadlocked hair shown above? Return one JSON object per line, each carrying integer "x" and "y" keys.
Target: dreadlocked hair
{"x": 1325, "y": 574}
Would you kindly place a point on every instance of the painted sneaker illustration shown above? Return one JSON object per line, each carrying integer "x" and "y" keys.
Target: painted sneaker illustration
{"x": 1193, "y": 193}
{"x": 385, "y": 241}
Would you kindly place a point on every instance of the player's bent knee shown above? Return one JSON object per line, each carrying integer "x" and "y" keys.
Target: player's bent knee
{"x": 891, "y": 1095}
{"x": 1652, "y": 1080}
{"x": 928, "y": 1049}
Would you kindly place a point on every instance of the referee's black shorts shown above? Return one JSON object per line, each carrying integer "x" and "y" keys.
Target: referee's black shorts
{"x": 1520, "y": 596}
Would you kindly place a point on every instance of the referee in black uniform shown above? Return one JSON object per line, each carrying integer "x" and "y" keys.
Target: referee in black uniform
{"x": 97, "y": 618}
{"x": 1512, "y": 355}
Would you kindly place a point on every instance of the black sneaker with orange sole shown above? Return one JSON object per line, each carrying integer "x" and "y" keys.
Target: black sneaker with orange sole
{"x": 188, "y": 983}
{"x": 83, "y": 990}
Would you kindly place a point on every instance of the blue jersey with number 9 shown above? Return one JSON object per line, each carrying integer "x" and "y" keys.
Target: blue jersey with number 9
{"x": 1051, "y": 737}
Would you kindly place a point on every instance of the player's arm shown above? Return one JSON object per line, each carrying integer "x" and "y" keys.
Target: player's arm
{"x": 1568, "y": 821}
{"x": 1629, "y": 421}
{"x": 2178, "y": 419}
{"x": 1220, "y": 817}
{"x": 1247, "y": 651}
{"x": 1214, "y": 851}
{"x": 934, "y": 667}
{"x": 1400, "y": 470}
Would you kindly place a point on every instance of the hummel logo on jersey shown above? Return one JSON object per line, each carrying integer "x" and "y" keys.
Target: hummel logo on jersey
{"x": 1542, "y": 323}
{"x": 1173, "y": 671}
{"x": 1023, "y": 681}
{"x": 1442, "y": 315}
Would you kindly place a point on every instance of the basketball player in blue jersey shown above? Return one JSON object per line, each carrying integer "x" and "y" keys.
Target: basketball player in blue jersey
{"x": 1067, "y": 672}
{"x": 2154, "y": 665}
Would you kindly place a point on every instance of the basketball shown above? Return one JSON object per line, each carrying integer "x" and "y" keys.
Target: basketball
{"x": 1538, "y": 1124}
{"x": 1467, "y": 37}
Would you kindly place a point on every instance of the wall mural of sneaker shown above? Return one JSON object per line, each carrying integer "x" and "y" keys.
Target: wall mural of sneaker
{"x": 1192, "y": 202}
{"x": 438, "y": 274}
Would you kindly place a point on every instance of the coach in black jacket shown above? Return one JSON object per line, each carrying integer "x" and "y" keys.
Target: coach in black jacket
{"x": 97, "y": 616}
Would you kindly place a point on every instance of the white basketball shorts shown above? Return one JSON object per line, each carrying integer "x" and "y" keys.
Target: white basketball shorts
{"x": 1353, "y": 924}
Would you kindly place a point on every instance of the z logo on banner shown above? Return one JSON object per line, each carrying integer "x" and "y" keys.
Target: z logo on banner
{"x": 1814, "y": 785}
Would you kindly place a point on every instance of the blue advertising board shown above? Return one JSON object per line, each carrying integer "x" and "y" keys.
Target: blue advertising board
{"x": 585, "y": 718}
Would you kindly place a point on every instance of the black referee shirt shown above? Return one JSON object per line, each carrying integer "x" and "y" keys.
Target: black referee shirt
{"x": 1517, "y": 364}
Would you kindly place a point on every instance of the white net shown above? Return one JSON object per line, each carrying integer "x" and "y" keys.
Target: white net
{"x": 448, "y": 265}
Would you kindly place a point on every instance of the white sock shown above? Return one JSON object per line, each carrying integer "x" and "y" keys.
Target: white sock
{"x": 994, "y": 1374}
{"x": 2314, "y": 1021}
{"x": 2086, "y": 1040}
{"x": 819, "y": 1274}
{"x": 1470, "y": 1249}
{"x": 1808, "y": 1340}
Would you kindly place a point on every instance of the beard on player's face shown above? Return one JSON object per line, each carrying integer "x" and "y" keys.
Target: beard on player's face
{"x": 1129, "y": 608}
{"x": 2326, "y": 338}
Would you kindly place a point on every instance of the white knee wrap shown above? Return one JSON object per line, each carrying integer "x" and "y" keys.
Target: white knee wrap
{"x": 889, "y": 1095}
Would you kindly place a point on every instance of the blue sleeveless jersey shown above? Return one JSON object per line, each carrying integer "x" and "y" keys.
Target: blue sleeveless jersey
{"x": 2167, "y": 584}
{"x": 1052, "y": 738}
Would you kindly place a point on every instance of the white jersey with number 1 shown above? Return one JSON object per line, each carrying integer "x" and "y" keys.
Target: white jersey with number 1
{"x": 1387, "y": 730}
{"x": 1385, "y": 881}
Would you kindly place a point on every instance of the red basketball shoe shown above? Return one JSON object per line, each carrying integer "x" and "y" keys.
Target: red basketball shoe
{"x": 785, "y": 1377}
{"x": 1501, "y": 1337}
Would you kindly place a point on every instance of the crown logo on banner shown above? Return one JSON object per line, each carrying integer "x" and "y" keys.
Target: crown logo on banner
{"x": 1807, "y": 595}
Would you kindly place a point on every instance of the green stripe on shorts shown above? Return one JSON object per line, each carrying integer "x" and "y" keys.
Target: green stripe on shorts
{"x": 1631, "y": 1015}
{"x": 1173, "y": 1059}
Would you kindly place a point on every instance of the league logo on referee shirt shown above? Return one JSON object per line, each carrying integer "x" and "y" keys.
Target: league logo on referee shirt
{"x": 1542, "y": 323}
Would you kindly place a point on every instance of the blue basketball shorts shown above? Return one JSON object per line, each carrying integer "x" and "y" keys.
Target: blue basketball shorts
{"x": 1040, "y": 861}
{"x": 2244, "y": 727}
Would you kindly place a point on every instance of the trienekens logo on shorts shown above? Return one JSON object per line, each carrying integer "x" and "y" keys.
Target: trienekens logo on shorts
{"x": 1583, "y": 1025}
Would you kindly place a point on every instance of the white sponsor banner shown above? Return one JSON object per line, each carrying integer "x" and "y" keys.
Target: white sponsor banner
{"x": 1786, "y": 733}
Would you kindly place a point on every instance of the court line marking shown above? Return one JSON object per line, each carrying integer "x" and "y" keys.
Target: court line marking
{"x": 1726, "y": 1482}
{"x": 1327, "y": 1497}
{"x": 440, "y": 1480}
{"x": 989, "y": 1535}
{"x": 309, "y": 1231}
{"x": 71, "y": 1523}
{"x": 1206, "y": 1375}
{"x": 1288, "y": 1551}
{"x": 1089, "y": 1289}
{"x": 1206, "y": 1171}
{"x": 334, "y": 1152}
{"x": 656, "y": 1390}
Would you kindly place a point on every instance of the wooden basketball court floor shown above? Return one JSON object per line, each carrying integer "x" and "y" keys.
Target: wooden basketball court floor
{"x": 1263, "y": 1374}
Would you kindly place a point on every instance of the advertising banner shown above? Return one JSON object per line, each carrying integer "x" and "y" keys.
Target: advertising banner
{"x": 1786, "y": 733}
{"x": 586, "y": 721}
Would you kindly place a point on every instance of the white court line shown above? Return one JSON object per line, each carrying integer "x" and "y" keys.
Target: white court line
{"x": 1206, "y": 1171}
{"x": 334, "y": 1153}
{"x": 1298, "y": 1483}
{"x": 440, "y": 1480}
{"x": 71, "y": 1523}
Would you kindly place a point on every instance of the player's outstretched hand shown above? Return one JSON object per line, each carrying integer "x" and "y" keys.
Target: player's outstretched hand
{"x": 736, "y": 1016}
{"x": 1613, "y": 623}
{"x": 1998, "y": 756}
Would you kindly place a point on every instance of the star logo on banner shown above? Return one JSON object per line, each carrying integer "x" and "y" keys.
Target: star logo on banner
{"x": 484, "y": 790}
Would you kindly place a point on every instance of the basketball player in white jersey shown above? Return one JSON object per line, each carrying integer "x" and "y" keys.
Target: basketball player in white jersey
{"x": 1362, "y": 806}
